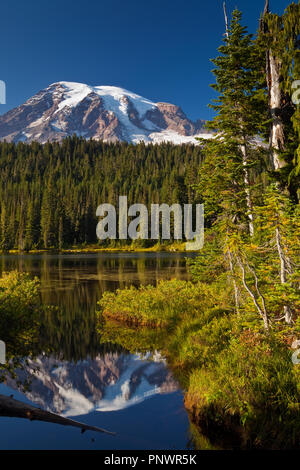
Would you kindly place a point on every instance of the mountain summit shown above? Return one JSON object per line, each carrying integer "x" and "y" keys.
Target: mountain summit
{"x": 100, "y": 112}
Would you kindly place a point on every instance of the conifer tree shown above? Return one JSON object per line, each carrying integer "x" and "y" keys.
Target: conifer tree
{"x": 5, "y": 242}
{"x": 226, "y": 183}
{"x": 48, "y": 229}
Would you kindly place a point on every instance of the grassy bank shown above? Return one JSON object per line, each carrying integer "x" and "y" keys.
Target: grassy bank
{"x": 110, "y": 247}
{"x": 239, "y": 381}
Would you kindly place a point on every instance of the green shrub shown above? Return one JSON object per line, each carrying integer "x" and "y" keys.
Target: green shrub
{"x": 19, "y": 319}
{"x": 19, "y": 302}
{"x": 159, "y": 305}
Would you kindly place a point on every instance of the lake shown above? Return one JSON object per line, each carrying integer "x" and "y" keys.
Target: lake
{"x": 76, "y": 375}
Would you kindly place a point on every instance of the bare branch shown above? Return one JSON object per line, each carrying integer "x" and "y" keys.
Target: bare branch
{"x": 260, "y": 311}
{"x": 258, "y": 289}
{"x": 283, "y": 273}
{"x": 279, "y": 319}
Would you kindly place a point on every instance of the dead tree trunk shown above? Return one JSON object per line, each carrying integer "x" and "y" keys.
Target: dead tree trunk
{"x": 273, "y": 73}
{"x": 277, "y": 141}
{"x": 16, "y": 409}
{"x": 247, "y": 190}
{"x": 277, "y": 138}
{"x": 226, "y": 20}
{"x": 266, "y": 10}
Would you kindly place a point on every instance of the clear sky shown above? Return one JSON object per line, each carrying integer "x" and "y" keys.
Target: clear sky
{"x": 160, "y": 49}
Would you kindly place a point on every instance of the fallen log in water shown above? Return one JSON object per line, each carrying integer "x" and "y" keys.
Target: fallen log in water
{"x": 16, "y": 409}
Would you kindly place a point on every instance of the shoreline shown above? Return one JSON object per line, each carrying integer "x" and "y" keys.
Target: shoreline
{"x": 178, "y": 248}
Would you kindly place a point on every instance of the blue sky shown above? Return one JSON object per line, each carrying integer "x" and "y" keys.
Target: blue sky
{"x": 160, "y": 49}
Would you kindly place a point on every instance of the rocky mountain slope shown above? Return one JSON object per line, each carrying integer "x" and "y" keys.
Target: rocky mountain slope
{"x": 101, "y": 112}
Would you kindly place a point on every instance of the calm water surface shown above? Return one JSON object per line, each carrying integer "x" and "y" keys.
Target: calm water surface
{"x": 134, "y": 395}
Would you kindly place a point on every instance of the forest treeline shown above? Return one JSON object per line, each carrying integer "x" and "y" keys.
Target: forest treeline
{"x": 49, "y": 193}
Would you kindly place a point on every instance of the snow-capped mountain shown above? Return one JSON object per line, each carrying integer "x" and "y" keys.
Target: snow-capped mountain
{"x": 99, "y": 112}
{"x": 106, "y": 383}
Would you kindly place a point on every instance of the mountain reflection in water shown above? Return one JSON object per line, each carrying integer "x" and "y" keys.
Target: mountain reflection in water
{"x": 109, "y": 382}
{"x": 75, "y": 371}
